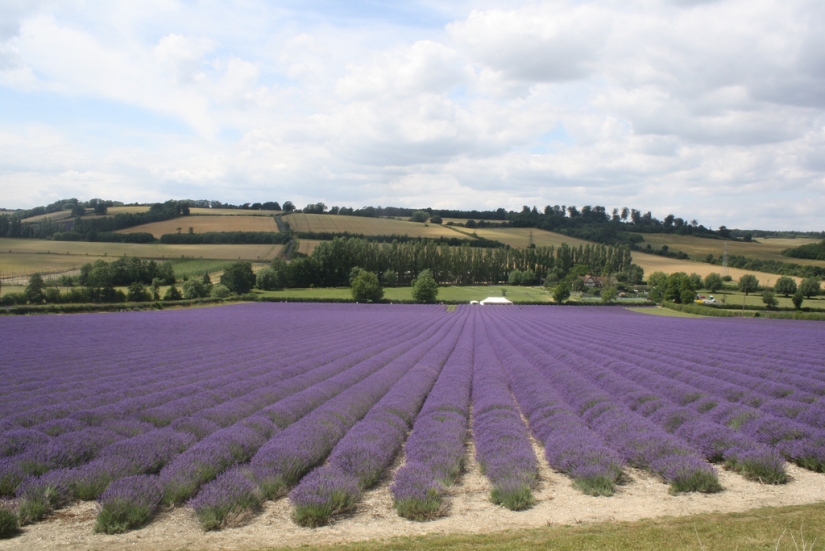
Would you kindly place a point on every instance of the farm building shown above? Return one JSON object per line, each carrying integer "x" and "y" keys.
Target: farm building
{"x": 495, "y": 300}
{"x": 591, "y": 281}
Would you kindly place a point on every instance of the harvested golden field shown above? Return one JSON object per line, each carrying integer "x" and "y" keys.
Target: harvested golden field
{"x": 24, "y": 263}
{"x": 367, "y": 226}
{"x": 53, "y": 216}
{"x": 520, "y": 237}
{"x": 203, "y": 224}
{"x": 306, "y": 246}
{"x": 41, "y": 254}
{"x": 653, "y": 263}
{"x": 130, "y": 209}
{"x": 698, "y": 247}
{"x": 231, "y": 212}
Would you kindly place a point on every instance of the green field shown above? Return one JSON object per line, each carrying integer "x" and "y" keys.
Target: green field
{"x": 522, "y": 237}
{"x": 755, "y": 299}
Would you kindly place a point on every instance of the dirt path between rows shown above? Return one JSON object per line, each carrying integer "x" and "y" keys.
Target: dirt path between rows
{"x": 557, "y": 502}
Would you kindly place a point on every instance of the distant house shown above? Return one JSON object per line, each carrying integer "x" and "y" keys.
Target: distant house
{"x": 591, "y": 281}
{"x": 495, "y": 300}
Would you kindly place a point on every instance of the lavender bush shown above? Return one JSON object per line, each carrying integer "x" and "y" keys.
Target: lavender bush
{"x": 128, "y": 503}
{"x": 503, "y": 448}
{"x": 8, "y": 522}
{"x": 360, "y": 458}
{"x": 598, "y": 387}
{"x": 228, "y": 501}
{"x": 435, "y": 449}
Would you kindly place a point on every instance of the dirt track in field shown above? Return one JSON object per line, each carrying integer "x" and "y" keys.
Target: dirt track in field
{"x": 557, "y": 502}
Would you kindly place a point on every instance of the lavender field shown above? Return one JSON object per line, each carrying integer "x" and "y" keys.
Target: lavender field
{"x": 222, "y": 409}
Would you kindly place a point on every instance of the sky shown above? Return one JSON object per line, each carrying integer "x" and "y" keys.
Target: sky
{"x": 707, "y": 109}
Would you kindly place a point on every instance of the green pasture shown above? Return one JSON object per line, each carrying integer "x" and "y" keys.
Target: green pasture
{"x": 447, "y": 293}
{"x": 769, "y": 529}
{"x": 451, "y": 293}
{"x": 659, "y": 311}
{"x": 736, "y": 298}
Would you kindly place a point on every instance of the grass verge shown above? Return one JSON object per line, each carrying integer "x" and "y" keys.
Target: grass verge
{"x": 769, "y": 528}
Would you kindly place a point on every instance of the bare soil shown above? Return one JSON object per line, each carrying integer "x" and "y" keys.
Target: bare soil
{"x": 558, "y": 502}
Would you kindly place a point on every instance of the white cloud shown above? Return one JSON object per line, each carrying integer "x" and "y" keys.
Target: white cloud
{"x": 711, "y": 108}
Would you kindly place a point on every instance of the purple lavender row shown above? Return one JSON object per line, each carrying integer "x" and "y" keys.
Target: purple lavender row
{"x": 435, "y": 449}
{"x": 289, "y": 454}
{"x": 294, "y": 399}
{"x": 64, "y": 451}
{"x": 803, "y": 445}
{"x": 142, "y": 454}
{"x": 741, "y": 382}
{"x": 196, "y": 396}
{"x": 82, "y": 409}
{"x": 637, "y": 440}
{"x": 716, "y": 442}
{"x": 503, "y": 448}
{"x": 223, "y": 448}
{"x": 254, "y": 392}
{"x": 569, "y": 445}
{"x": 699, "y": 423}
{"x": 362, "y": 455}
{"x": 775, "y": 348}
{"x": 220, "y": 355}
{"x": 87, "y": 482}
{"x": 778, "y": 377}
{"x": 149, "y": 374}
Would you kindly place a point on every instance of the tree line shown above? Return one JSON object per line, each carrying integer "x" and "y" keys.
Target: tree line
{"x": 331, "y": 263}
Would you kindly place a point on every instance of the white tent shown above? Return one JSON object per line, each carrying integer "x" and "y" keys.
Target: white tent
{"x": 495, "y": 300}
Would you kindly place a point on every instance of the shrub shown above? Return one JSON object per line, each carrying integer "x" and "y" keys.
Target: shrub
{"x": 785, "y": 286}
{"x": 425, "y": 289}
{"x": 561, "y": 292}
{"x": 769, "y": 298}
{"x": 38, "y": 496}
{"x": 172, "y": 293}
{"x": 220, "y": 291}
{"x": 809, "y": 287}
{"x": 417, "y": 495}
{"x": 239, "y": 278}
{"x": 390, "y": 278}
{"x": 325, "y": 492}
{"x": 268, "y": 280}
{"x": 365, "y": 287}
{"x": 194, "y": 288}
{"x": 797, "y": 299}
{"x": 227, "y": 501}
{"x": 128, "y": 503}
{"x": 8, "y": 522}
{"x": 713, "y": 282}
{"x": 138, "y": 293}
{"x": 609, "y": 294}
{"x": 420, "y": 216}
